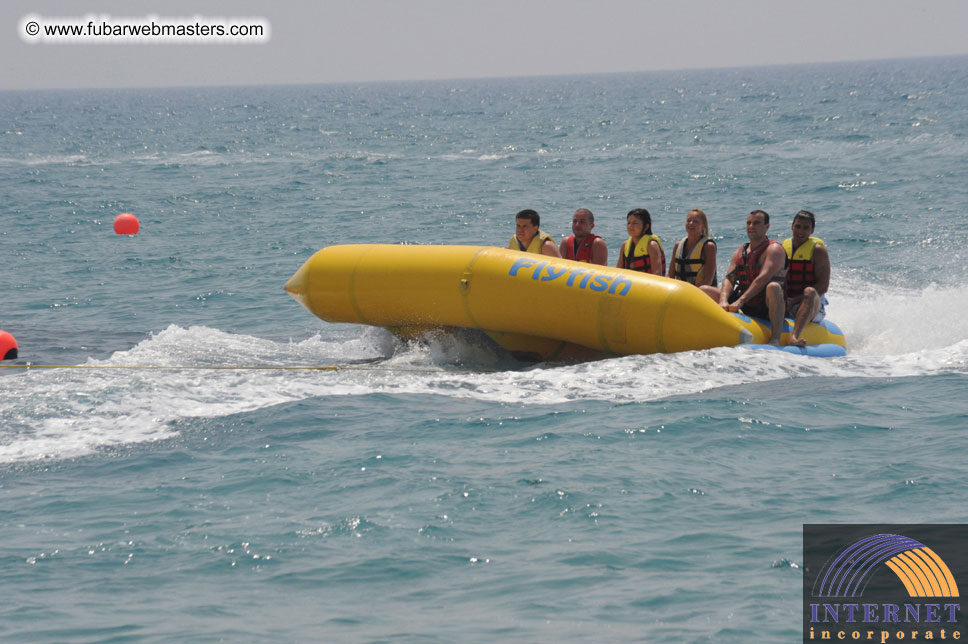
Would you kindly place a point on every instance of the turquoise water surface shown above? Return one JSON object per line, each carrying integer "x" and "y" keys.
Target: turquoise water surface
{"x": 442, "y": 491}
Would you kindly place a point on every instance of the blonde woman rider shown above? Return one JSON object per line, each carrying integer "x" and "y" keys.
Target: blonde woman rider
{"x": 694, "y": 256}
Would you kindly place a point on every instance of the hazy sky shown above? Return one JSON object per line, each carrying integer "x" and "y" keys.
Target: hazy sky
{"x": 366, "y": 40}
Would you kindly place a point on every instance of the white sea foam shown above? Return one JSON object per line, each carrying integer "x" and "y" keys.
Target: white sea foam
{"x": 47, "y": 159}
{"x": 61, "y": 414}
{"x": 897, "y": 321}
{"x": 472, "y": 155}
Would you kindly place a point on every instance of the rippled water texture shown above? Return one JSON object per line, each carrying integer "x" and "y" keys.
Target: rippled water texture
{"x": 442, "y": 491}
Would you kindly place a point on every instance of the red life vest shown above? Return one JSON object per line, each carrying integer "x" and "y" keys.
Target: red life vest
{"x": 584, "y": 252}
{"x": 749, "y": 269}
{"x": 799, "y": 265}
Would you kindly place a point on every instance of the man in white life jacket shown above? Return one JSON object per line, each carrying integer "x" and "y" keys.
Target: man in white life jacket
{"x": 807, "y": 276}
{"x": 584, "y": 245}
{"x": 528, "y": 237}
{"x": 754, "y": 279}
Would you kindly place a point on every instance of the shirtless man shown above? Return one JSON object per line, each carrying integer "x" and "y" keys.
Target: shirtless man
{"x": 754, "y": 279}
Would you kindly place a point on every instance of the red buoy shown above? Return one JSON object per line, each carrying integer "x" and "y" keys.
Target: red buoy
{"x": 8, "y": 346}
{"x": 126, "y": 224}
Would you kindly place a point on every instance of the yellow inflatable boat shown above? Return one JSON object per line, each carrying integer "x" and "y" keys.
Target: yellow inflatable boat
{"x": 536, "y": 307}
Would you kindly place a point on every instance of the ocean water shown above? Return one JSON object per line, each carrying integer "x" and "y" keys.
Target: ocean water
{"x": 442, "y": 491}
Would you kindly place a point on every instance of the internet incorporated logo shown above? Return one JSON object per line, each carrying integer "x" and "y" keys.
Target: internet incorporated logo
{"x": 909, "y": 591}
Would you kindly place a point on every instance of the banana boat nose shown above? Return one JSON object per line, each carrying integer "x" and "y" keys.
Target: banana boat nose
{"x": 297, "y": 286}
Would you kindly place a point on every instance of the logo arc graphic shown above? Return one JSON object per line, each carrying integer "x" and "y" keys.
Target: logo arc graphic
{"x": 920, "y": 569}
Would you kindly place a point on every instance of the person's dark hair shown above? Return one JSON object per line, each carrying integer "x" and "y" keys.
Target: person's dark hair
{"x": 806, "y": 214}
{"x": 644, "y": 217}
{"x": 530, "y": 215}
{"x": 586, "y": 211}
{"x": 766, "y": 216}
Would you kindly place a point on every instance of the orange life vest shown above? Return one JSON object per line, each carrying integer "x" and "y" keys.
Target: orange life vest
{"x": 749, "y": 269}
{"x": 584, "y": 251}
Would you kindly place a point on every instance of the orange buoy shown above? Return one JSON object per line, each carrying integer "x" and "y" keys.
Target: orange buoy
{"x": 126, "y": 224}
{"x": 8, "y": 346}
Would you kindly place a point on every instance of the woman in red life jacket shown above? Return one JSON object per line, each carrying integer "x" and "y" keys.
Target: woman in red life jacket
{"x": 642, "y": 251}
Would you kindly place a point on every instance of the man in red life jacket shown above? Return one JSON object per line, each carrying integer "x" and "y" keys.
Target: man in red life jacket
{"x": 584, "y": 245}
{"x": 528, "y": 237}
{"x": 754, "y": 279}
{"x": 807, "y": 275}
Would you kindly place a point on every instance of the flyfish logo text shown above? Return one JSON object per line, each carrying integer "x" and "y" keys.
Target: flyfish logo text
{"x": 909, "y": 592}
{"x": 578, "y": 277}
